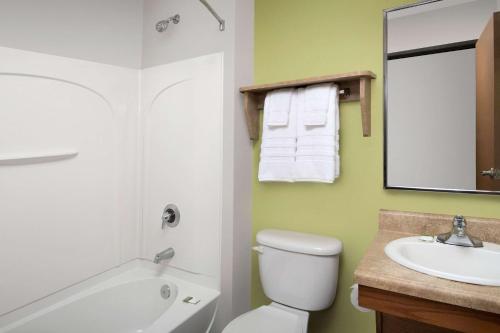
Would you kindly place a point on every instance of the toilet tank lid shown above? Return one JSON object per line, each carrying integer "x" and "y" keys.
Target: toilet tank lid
{"x": 299, "y": 242}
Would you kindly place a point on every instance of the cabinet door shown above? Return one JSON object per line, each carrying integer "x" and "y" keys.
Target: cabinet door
{"x": 392, "y": 324}
{"x": 488, "y": 104}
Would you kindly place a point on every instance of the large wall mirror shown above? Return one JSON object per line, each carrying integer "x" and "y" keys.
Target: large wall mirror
{"x": 442, "y": 96}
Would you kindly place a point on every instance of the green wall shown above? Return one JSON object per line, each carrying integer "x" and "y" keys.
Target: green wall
{"x": 296, "y": 39}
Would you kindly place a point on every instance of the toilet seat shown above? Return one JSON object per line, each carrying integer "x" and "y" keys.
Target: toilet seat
{"x": 273, "y": 318}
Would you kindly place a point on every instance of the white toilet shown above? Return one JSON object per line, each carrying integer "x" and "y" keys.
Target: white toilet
{"x": 299, "y": 274}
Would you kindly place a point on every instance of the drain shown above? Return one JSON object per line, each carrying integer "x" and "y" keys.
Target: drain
{"x": 165, "y": 292}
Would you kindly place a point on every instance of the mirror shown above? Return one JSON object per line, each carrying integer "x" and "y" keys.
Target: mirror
{"x": 442, "y": 97}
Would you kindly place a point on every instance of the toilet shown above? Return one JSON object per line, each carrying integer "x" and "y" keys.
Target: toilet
{"x": 299, "y": 274}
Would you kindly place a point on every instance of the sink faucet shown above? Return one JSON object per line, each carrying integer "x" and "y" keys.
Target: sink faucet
{"x": 458, "y": 235}
{"x": 164, "y": 255}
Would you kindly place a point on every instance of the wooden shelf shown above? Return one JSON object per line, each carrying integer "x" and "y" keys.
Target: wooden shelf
{"x": 358, "y": 84}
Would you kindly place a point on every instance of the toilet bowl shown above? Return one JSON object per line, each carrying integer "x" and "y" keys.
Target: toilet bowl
{"x": 298, "y": 273}
{"x": 274, "y": 318}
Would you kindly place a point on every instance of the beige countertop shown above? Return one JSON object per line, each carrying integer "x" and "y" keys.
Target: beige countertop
{"x": 378, "y": 271}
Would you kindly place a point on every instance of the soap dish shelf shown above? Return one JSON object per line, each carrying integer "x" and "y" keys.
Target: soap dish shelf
{"x": 25, "y": 158}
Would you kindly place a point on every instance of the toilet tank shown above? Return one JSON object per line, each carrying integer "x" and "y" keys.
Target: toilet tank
{"x": 299, "y": 270}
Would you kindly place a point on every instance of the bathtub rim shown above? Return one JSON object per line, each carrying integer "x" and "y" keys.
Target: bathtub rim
{"x": 137, "y": 269}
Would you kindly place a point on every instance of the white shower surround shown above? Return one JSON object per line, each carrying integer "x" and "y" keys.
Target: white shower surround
{"x": 92, "y": 111}
{"x": 73, "y": 218}
{"x": 110, "y": 32}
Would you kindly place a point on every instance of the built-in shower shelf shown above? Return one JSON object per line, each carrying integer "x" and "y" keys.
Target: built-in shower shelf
{"x": 354, "y": 86}
{"x": 25, "y": 158}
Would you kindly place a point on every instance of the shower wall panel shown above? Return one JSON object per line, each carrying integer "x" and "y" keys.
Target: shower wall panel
{"x": 182, "y": 108}
{"x": 68, "y": 200}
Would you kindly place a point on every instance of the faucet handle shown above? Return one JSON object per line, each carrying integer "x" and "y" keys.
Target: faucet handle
{"x": 459, "y": 224}
{"x": 459, "y": 221}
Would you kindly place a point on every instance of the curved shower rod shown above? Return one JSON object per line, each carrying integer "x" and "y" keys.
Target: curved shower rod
{"x": 222, "y": 23}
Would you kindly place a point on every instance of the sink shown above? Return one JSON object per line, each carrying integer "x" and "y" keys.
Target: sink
{"x": 465, "y": 264}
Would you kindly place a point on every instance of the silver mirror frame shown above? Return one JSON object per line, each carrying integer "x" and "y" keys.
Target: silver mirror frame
{"x": 386, "y": 185}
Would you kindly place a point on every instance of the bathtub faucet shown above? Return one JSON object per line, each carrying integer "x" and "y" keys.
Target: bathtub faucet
{"x": 164, "y": 255}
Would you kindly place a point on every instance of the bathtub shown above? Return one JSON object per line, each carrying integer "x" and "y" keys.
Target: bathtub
{"x": 138, "y": 298}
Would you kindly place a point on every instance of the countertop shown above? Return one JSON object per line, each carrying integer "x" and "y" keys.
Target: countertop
{"x": 378, "y": 271}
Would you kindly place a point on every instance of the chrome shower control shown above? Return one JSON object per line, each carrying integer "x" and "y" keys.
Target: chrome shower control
{"x": 170, "y": 217}
{"x": 162, "y": 25}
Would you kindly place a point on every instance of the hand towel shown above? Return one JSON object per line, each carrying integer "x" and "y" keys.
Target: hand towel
{"x": 316, "y": 104}
{"x": 317, "y": 156}
{"x": 277, "y": 104}
{"x": 278, "y": 147}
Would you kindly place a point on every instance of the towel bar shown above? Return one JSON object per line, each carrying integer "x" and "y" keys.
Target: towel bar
{"x": 343, "y": 92}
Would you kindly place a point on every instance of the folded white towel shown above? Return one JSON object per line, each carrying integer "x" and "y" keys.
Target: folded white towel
{"x": 298, "y": 151}
{"x": 320, "y": 169}
{"x": 270, "y": 142}
{"x": 318, "y": 140}
{"x": 281, "y": 170}
{"x": 317, "y": 102}
{"x": 280, "y": 135}
{"x": 279, "y": 144}
{"x": 277, "y": 104}
{"x": 317, "y": 156}
{"x": 316, "y": 151}
{"x": 330, "y": 128}
{"x": 277, "y": 152}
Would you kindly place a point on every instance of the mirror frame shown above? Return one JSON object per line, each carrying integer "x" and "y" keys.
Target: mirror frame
{"x": 385, "y": 54}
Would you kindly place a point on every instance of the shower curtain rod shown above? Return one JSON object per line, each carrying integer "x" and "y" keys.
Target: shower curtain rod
{"x": 222, "y": 23}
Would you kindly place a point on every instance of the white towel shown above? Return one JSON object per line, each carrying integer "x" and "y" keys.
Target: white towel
{"x": 317, "y": 103}
{"x": 278, "y": 104}
{"x": 298, "y": 151}
{"x": 331, "y": 126}
{"x": 317, "y": 156}
{"x": 279, "y": 144}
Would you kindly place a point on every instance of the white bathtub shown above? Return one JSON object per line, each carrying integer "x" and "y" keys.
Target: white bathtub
{"x": 128, "y": 302}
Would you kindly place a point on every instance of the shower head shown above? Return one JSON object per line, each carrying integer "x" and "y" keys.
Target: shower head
{"x": 162, "y": 25}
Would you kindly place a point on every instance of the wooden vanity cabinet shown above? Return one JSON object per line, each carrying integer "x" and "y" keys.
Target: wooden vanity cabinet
{"x": 391, "y": 324}
{"x": 399, "y": 313}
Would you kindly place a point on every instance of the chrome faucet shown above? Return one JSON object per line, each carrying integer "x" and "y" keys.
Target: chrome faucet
{"x": 458, "y": 235}
{"x": 164, "y": 255}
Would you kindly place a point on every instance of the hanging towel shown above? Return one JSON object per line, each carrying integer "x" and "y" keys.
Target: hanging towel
{"x": 278, "y": 147}
{"x": 317, "y": 156}
{"x": 317, "y": 102}
{"x": 278, "y": 104}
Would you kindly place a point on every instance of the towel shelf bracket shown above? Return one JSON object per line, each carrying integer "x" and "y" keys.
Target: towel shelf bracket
{"x": 354, "y": 86}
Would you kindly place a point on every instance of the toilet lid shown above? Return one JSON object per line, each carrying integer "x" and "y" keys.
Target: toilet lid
{"x": 266, "y": 319}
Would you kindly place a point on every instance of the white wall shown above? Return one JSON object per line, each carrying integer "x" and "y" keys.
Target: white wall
{"x": 431, "y": 123}
{"x": 64, "y": 220}
{"x": 198, "y": 34}
{"x": 105, "y": 31}
{"x": 438, "y": 23}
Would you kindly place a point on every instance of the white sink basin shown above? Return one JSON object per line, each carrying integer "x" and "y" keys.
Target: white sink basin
{"x": 464, "y": 264}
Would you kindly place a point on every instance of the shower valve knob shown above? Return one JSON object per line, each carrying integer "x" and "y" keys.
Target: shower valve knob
{"x": 170, "y": 217}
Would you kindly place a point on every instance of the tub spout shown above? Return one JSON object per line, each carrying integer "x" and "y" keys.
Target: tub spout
{"x": 164, "y": 255}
